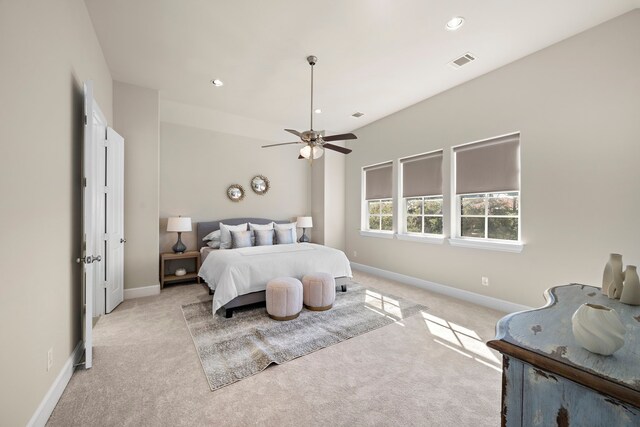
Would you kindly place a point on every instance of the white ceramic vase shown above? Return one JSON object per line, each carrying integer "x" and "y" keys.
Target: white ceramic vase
{"x": 598, "y": 329}
{"x": 181, "y": 272}
{"x": 613, "y": 277}
{"x": 631, "y": 289}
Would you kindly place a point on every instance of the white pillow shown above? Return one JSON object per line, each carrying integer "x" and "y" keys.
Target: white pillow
{"x": 225, "y": 233}
{"x": 213, "y": 244}
{"x": 214, "y": 235}
{"x": 290, "y": 226}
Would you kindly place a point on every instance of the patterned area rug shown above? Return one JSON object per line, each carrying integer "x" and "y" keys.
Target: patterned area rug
{"x": 246, "y": 344}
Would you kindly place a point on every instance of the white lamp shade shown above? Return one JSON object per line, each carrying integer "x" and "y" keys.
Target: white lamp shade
{"x": 306, "y": 152}
{"x": 304, "y": 222}
{"x": 179, "y": 224}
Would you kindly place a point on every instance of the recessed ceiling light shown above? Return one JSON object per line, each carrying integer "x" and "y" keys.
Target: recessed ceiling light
{"x": 217, "y": 82}
{"x": 455, "y": 23}
{"x": 317, "y": 111}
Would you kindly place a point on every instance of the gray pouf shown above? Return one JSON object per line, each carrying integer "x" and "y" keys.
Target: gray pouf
{"x": 319, "y": 291}
{"x": 284, "y": 298}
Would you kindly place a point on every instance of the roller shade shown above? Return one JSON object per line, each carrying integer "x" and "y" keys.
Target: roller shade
{"x": 422, "y": 175}
{"x": 379, "y": 181}
{"x": 488, "y": 166}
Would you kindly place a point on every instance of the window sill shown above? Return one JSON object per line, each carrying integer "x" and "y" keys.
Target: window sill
{"x": 515, "y": 247}
{"x": 380, "y": 234}
{"x": 421, "y": 238}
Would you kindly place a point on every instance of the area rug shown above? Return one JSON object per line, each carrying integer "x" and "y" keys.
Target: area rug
{"x": 246, "y": 344}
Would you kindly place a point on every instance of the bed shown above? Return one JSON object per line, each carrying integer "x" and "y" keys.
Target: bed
{"x": 238, "y": 277}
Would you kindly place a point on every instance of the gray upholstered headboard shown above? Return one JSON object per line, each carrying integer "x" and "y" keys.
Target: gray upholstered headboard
{"x": 204, "y": 228}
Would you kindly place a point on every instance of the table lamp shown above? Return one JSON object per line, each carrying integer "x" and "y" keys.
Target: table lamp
{"x": 179, "y": 224}
{"x": 304, "y": 222}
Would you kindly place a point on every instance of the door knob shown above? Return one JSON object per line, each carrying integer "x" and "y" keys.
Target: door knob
{"x": 123, "y": 240}
{"x": 81, "y": 260}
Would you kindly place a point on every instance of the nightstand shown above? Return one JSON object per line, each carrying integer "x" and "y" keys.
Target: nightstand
{"x": 169, "y": 258}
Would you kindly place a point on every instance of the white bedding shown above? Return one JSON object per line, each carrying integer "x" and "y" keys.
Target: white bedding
{"x": 233, "y": 272}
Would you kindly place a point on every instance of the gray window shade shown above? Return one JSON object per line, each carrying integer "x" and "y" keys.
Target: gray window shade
{"x": 488, "y": 166}
{"x": 379, "y": 181}
{"x": 422, "y": 175}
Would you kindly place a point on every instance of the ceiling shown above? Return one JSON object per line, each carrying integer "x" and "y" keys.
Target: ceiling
{"x": 374, "y": 56}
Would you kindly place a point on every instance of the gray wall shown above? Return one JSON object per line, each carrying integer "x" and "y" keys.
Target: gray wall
{"x": 577, "y": 105}
{"x": 197, "y": 166}
{"x": 136, "y": 119}
{"x": 327, "y": 200}
{"x": 47, "y": 50}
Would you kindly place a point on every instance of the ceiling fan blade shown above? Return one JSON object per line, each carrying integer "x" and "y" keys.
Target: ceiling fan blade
{"x": 337, "y": 148}
{"x": 282, "y": 143}
{"x": 293, "y": 131}
{"x": 341, "y": 137}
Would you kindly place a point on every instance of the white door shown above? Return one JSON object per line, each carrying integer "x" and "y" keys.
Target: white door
{"x": 93, "y": 213}
{"x": 114, "y": 233}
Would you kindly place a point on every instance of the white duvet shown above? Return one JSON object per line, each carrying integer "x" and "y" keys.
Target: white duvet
{"x": 234, "y": 272}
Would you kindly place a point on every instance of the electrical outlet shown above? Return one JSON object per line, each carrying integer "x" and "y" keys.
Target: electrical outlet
{"x": 355, "y": 254}
{"x": 485, "y": 281}
{"x": 49, "y": 359}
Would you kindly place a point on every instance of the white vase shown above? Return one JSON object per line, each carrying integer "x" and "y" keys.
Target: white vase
{"x": 598, "y": 329}
{"x": 613, "y": 277}
{"x": 631, "y": 289}
{"x": 181, "y": 272}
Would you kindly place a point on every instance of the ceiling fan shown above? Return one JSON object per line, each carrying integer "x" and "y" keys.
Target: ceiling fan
{"x": 315, "y": 141}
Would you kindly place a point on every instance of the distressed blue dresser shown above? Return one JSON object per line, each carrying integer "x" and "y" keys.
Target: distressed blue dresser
{"x": 548, "y": 379}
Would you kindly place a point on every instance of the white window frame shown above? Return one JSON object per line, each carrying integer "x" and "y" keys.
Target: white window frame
{"x": 473, "y": 242}
{"x": 401, "y": 209}
{"x": 364, "y": 205}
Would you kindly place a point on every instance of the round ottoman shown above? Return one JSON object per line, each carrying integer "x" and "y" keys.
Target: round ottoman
{"x": 284, "y": 298}
{"x": 319, "y": 291}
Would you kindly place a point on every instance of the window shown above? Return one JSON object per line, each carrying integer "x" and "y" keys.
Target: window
{"x": 380, "y": 215}
{"x": 423, "y": 215}
{"x": 378, "y": 201}
{"x": 490, "y": 216}
{"x": 422, "y": 193}
{"x": 487, "y": 181}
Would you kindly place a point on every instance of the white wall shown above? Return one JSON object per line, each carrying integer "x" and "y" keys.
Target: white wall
{"x": 198, "y": 165}
{"x": 47, "y": 50}
{"x": 136, "y": 119}
{"x": 577, "y": 105}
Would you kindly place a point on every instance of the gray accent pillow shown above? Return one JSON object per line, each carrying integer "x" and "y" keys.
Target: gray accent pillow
{"x": 254, "y": 227}
{"x": 240, "y": 239}
{"x": 264, "y": 237}
{"x": 225, "y": 234}
{"x": 291, "y": 227}
{"x": 284, "y": 237}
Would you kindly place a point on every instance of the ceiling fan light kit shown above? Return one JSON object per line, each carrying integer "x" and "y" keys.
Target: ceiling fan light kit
{"x": 315, "y": 141}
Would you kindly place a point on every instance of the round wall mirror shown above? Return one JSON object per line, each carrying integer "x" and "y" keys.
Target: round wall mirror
{"x": 260, "y": 184}
{"x": 235, "y": 192}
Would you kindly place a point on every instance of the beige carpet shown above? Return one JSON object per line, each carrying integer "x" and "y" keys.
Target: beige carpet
{"x": 431, "y": 369}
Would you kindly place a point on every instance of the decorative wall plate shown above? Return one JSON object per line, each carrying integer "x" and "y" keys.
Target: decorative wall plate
{"x": 235, "y": 192}
{"x": 260, "y": 184}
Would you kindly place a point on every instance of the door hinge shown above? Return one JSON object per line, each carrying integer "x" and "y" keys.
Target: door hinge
{"x": 85, "y": 119}
{"x": 84, "y": 182}
{"x": 106, "y": 190}
{"x": 106, "y": 236}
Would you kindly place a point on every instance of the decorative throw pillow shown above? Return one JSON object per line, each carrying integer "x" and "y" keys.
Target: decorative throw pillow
{"x": 284, "y": 237}
{"x": 263, "y": 237}
{"x": 291, "y": 227}
{"x": 225, "y": 234}
{"x": 254, "y": 227}
{"x": 240, "y": 239}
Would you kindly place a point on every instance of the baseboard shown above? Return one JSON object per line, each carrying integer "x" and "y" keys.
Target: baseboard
{"x": 143, "y": 291}
{"x": 472, "y": 297}
{"x": 50, "y": 399}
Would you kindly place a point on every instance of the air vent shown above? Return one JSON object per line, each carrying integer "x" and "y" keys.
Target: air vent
{"x": 463, "y": 60}
{"x": 357, "y": 114}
